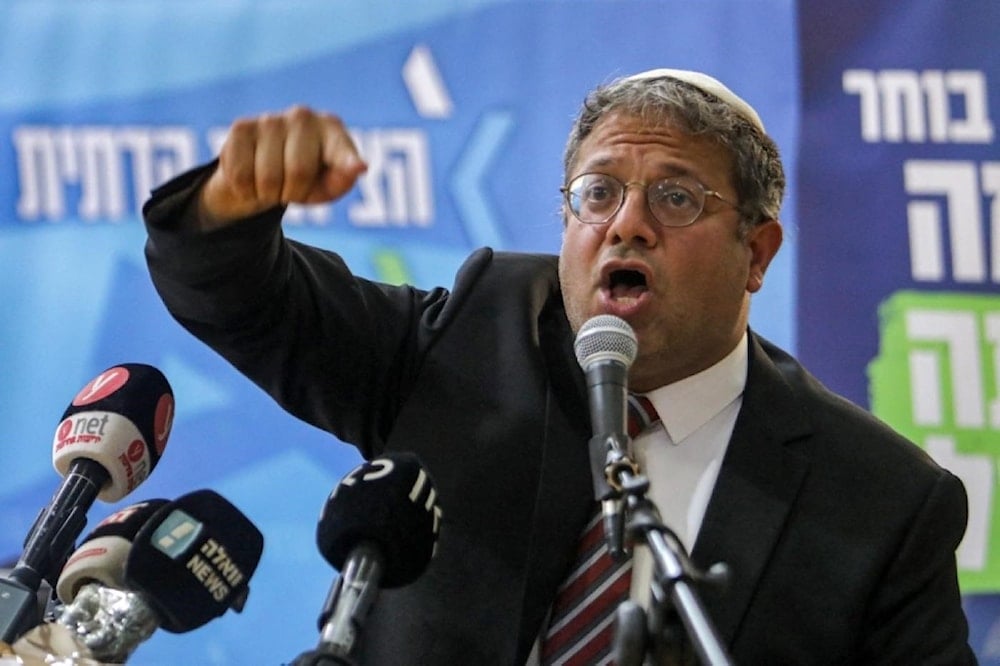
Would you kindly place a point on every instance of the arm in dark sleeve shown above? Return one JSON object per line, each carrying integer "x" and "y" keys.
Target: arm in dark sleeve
{"x": 333, "y": 349}
{"x": 916, "y": 615}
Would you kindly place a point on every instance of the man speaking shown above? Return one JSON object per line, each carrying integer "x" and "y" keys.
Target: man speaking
{"x": 839, "y": 534}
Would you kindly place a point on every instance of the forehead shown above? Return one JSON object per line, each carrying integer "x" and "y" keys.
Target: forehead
{"x": 621, "y": 138}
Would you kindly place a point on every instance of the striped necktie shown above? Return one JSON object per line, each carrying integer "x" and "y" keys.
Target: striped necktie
{"x": 581, "y": 624}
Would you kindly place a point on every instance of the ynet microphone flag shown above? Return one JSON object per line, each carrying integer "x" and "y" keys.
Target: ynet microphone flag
{"x": 108, "y": 440}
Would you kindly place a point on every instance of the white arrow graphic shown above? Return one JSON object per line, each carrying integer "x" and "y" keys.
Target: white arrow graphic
{"x": 425, "y": 85}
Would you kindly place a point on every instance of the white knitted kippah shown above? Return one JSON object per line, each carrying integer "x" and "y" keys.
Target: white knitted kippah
{"x": 707, "y": 84}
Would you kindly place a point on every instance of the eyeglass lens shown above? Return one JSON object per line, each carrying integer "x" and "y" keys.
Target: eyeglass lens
{"x": 594, "y": 198}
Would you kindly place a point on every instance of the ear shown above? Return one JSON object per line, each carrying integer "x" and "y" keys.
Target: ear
{"x": 763, "y": 241}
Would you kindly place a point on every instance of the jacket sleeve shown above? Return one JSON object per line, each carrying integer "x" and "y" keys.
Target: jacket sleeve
{"x": 916, "y": 614}
{"x": 335, "y": 350}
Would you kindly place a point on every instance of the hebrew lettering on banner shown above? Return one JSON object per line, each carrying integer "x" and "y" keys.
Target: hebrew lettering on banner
{"x": 900, "y": 217}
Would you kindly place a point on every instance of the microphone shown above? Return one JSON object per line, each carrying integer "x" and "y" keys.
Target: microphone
{"x": 113, "y": 601}
{"x": 109, "y": 439}
{"x": 102, "y": 555}
{"x": 379, "y": 528}
{"x": 605, "y": 348}
{"x": 99, "y": 618}
{"x": 193, "y": 560}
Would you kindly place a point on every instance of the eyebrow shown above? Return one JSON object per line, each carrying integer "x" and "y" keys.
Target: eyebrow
{"x": 666, "y": 170}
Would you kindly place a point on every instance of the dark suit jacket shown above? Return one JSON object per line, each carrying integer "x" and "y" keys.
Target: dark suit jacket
{"x": 839, "y": 533}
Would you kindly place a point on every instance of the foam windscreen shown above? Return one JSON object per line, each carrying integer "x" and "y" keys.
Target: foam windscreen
{"x": 102, "y": 554}
{"x": 391, "y": 502}
{"x": 193, "y": 560}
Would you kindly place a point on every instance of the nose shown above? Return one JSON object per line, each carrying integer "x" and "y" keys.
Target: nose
{"x": 634, "y": 221}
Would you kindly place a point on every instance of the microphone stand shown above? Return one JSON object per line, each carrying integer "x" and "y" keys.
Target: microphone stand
{"x": 346, "y": 605}
{"x": 622, "y": 490}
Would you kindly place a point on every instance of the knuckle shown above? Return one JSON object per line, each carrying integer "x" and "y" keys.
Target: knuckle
{"x": 242, "y": 132}
{"x": 270, "y": 122}
{"x": 332, "y": 121}
{"x": 300, "y": 113}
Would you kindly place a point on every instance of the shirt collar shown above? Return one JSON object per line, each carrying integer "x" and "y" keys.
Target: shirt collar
{"x": 690, "y": 403}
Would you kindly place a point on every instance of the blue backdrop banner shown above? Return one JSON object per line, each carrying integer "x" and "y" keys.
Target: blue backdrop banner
{"x": 461, "y": 109}
{"x": 899, "y": 245}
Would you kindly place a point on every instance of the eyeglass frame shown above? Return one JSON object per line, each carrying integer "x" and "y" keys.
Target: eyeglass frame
{"x": 566, "y": 192}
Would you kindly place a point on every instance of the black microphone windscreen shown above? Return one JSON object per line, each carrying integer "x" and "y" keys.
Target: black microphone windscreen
{"x": 193, "y": 560}
{"x": 391, "y": 502}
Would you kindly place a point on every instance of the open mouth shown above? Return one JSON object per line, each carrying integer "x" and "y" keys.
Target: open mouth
{"x": 626, "y": 284}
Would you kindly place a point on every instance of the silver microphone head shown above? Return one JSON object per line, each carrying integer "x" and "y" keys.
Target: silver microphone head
{"x": 605, "y": 337}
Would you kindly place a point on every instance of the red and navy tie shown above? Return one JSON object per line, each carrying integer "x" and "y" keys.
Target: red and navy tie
{"x": 581, "y": 624}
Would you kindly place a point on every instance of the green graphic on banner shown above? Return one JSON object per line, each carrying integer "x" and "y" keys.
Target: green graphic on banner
{"x": 390, "y": 267}
{"x": 936, "y": 381}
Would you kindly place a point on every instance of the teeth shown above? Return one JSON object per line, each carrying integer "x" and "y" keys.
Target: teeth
{"x": 622, "y": 292}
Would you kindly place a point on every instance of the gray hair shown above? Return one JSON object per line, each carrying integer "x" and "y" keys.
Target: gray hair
{"x": 758, "y": 174}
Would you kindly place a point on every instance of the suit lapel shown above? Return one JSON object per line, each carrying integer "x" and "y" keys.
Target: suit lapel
{"x": 758, "y": 481}
{"x": 564, "y": 494}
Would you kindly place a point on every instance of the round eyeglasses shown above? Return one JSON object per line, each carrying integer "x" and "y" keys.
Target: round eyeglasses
{"x": 594, "y": 198}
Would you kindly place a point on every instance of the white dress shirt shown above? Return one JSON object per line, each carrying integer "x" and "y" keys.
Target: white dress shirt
{"x": 682, "y": 454}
